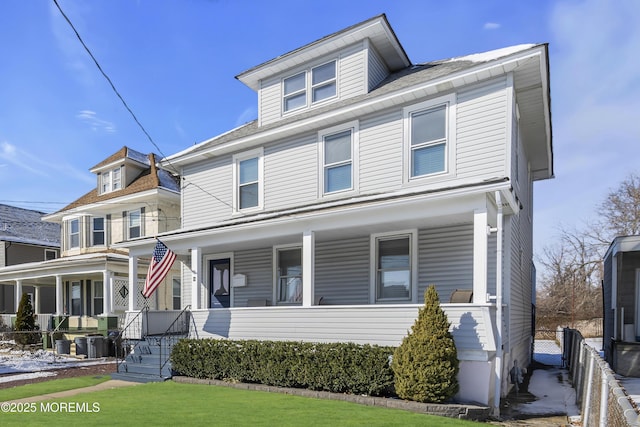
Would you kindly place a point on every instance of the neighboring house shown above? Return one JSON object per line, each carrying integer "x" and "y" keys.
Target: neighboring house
{"x": 133, "y": 198}
{"x": 365, "y": 179}
{"x": 621, "y": 293}
{"x": 25, "y": 238}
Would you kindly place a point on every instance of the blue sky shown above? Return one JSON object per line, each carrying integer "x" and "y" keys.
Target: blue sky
{"x": 174, "y": 63}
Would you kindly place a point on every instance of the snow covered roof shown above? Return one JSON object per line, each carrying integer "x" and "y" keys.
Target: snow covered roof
{"x": 26, "y": 226}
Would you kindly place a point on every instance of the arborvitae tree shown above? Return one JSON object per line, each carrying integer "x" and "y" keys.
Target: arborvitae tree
{"x": 426, "y": 363}
{"x": 25, "y": 322}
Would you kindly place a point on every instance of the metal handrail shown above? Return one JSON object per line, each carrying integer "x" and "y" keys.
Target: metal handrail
{"x": 119, "y": 361}
{"x": 166, "y": 333}
{"x": 52, "y": 333}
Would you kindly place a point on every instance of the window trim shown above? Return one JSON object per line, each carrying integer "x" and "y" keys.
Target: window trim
{"x": 276, "y": 250}
{"x": 449, "y": 101}
{"x": 71, "y": 233}
{"x": 107, "y": 180}
{"x": 237, "y": 158}
{"x": 49, "y": 251}
{"x": 129, "y": 227}
{"x": 104, "y": 230}
{"x": 309, "y": 86}
{"x": 413, "y": 268}
{"x": 174, "y": 278}
{"x": 355, "y": 149}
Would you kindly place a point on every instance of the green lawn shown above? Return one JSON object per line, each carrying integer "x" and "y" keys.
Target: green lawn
{"x": 179, "y": 404}
{"x": 52, "y": 386}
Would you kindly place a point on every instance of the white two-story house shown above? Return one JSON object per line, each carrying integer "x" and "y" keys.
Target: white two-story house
{"x": 365, "y": 179}
{"x": 133, "y": 198}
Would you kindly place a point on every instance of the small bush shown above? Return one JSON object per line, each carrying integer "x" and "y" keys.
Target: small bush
{"x": 26, "y": 328}
{"x": 335, "y": 367}
{"x": 426, "y": 363}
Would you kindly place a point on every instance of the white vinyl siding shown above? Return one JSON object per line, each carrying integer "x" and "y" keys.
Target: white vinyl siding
{"x": 381, "y": 152}
{"x": 350, "y": 81}
{"x": 210, "y": 196}
{"x": 291, "y": 172}
{"x": 389, "y": 324}
{"x": 482, "y": 131}
{"x": 256, "y": 265}
{"x": 342, "y": 271}
{"x": 377, "y": 70}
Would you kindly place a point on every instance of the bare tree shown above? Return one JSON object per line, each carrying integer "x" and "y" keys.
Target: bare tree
{"x": 619, "y": 212}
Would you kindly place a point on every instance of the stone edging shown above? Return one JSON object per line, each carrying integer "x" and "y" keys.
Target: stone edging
{"x": 460, "y": 411}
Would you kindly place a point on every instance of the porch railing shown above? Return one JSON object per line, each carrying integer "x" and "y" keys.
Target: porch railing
{"x": 178, "y": 329}
{"x": 132, "y": 330}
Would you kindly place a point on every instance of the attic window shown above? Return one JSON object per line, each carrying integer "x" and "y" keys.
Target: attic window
{"x": 320, "y": 80}
{"x": 111, "y": 180}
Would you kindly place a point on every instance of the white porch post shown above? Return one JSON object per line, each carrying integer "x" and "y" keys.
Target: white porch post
{"x": 18, "y": 294}
{"x": 36, "y": 302}
{"x": 59, "y": 296}
{"x": 106, "y": 293}
{"x": 196, "y": 267}
{"x": 308, "y": 268}
{"x": 133, "y": 283}
{"x": 480, "y": 245}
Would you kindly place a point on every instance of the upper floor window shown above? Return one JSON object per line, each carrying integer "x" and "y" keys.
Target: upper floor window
{"x": 429, "y": 142}
{"x": 111, "y": 180}
{"x": 50, "y": 254}
{"x": 74, "y": 233}
{"x": 338, "y": 168}
{"x": 135, "y": 224}
{"x": 248, "y": 180}
{"x": 97, "y": 231}
{"x": 320, "y": 81}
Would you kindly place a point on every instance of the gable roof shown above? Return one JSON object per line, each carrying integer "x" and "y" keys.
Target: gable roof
{"x": 150, "y": 178}
{"x": 26, "y": 226}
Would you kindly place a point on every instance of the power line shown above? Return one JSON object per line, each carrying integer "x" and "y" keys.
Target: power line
{"x": 113, "y": 87}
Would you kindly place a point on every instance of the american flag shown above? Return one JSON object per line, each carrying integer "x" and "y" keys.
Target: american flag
{"x": 159, "y": 266}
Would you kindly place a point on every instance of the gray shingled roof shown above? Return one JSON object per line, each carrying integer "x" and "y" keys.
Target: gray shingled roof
{"x": 26, "y": 226}
{"x": 402, "y": 79}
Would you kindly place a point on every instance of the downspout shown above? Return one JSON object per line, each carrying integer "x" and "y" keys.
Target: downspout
{"x": 499, "y": 352}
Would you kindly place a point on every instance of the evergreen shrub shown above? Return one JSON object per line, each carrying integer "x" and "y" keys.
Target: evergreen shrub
{"x": 426, "y": 362}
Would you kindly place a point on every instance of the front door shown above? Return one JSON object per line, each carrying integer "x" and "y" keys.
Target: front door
{"x": 219, "y": 282}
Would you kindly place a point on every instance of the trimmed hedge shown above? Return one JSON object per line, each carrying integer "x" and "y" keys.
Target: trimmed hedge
{"x": 334, "y": 367}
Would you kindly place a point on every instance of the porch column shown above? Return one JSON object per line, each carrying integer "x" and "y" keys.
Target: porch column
{"x": 480, "y": 245}
{"x": 308, "y": 268}
{"x": 196, "y": 267}
{"x": 36, "y": 302}
{"x": 59, "y": 296}
{"x": 18, "y": 294}
{"x": 106, "y": 293}
{"x": 133, "y": 283}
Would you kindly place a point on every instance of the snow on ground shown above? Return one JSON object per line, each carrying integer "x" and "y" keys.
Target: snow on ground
{"x": 18, "y": 365}
{"x": 553, "y": 392}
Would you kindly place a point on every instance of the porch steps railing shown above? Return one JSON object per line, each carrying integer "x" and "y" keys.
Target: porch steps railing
{"x": 146, "y": 358}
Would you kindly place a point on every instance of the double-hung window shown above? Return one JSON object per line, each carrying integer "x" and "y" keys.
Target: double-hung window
{"x": 288, "y": 275}
{"x": 323, "y": 82}
{"x": 98, "y": 297}
{"x": 135, "y": 224}
{"x": 337, "y": 153}
{"x": 427, "y": 130}
{"x": 97, "y": 231}
{"x": 111, "y": 180}
{"x": 177, "y": 293}
{"x": 74, "y": 233}
{"x": 248, "y": 180}
{"x": 309, "y": 86}
{"x": 393, "y": 267}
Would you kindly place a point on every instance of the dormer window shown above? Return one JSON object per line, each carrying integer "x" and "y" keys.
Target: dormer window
{"x": 111, "y": 180}
{"x": 321, "y": 81}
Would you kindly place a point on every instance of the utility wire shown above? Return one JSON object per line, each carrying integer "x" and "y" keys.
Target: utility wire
{"x": 113, "y": 87}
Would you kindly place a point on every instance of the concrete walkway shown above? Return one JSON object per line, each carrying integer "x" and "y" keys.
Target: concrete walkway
{"x": 107, "y": 385}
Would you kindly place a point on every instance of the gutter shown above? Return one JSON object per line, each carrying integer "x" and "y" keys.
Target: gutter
{"x": 499, "y": 347}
